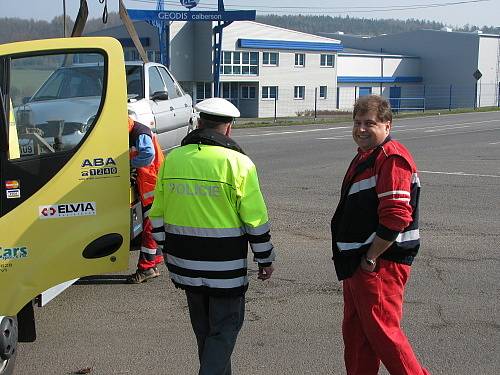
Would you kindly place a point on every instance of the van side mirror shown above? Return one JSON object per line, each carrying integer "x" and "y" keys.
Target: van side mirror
{"x": 25, "y": 100}
{"x": 159, "y": 95}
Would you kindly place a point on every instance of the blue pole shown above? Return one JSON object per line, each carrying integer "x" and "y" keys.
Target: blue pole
{"x": 163, "y": 28}
{"x": 217, "y": 58}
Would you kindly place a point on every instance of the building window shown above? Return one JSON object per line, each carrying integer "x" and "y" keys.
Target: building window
{"x": 323, "y": 92}
{"x": 270, "y": 92}
{"x": 131, "y": 55}
{"x": 203, "y": 91}
{"x": 229, "y": 91}
{"x": 299, "y": 92}
{"x": 327, "y": 60}
{"x": 153, "y": 55}
{"x": 240, "y": 63}
{"x": 270, "y": 58}
{"x": 247, "y": 92}
{"x": 300, "y": 59}
{"x": 363, "y": 91}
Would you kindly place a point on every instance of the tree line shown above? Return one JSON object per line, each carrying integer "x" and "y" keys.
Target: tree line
{"x": 16, "y": 29}
{"x": 320, "y": 25}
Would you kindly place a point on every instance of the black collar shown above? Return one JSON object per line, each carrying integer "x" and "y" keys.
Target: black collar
{"x": 212, "y": 138}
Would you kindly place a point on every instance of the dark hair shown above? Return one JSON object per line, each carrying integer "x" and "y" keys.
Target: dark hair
{"x": 373, "y": 103}
{"x": 214, "y": 121}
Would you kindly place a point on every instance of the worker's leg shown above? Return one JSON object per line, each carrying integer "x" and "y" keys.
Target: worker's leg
{"x": 379, "y": 303}
{"x": 226, "y": 317}
{"x": 359, "y": 357}
{"x": 198, "y": 313}
{"x": 149, "y": 256}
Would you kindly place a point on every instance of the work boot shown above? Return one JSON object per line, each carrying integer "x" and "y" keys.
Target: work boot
{"x": 143, "y": 275}
{"x": 157, "y": 272}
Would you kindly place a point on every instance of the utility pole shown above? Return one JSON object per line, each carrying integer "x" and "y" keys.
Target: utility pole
{"x": 64, "y": 18}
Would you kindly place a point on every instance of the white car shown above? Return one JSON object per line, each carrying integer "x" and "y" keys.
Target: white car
{"x": 73, "y": 93}
{"x": 159, "y": 102}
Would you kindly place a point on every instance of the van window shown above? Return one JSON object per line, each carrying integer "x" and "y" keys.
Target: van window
{"x": 155, "y": 81}
{"x": 135, "y": 86}
{"x": 55, "y": 100}
{"x": 173, "y": 89}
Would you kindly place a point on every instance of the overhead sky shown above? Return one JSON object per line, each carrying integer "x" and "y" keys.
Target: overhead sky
{"x": 450, "y": 12}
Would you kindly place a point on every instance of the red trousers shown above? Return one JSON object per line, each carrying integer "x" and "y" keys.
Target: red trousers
{"x": 373, "y": 308}
{"x": 150, "y": 255}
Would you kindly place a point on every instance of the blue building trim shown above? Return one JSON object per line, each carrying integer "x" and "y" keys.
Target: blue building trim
{"x": 400, "y": 79}
{"x": 289, "y": 45}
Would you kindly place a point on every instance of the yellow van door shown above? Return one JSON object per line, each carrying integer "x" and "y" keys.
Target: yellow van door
{"x": 65, "y": 203}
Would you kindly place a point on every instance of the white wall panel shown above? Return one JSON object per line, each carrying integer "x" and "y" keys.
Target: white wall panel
{"x": 359, "y": 66}
{"x": 488, "y": 61}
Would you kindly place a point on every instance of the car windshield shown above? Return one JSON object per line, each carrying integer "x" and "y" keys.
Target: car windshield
{"x": 135, "y": 87}
{"x": 72, "y": 82}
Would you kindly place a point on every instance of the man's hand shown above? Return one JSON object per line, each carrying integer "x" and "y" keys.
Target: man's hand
{"x": 265, "y": 272}
{"x": 366, "y": 266}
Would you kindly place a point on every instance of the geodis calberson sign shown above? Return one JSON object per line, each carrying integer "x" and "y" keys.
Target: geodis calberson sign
{"x": 92, "y": 169}
{"x": 55, "y": 211}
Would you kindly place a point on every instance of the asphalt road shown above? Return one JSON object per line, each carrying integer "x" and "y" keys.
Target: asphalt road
{"x": 452, "y": 313}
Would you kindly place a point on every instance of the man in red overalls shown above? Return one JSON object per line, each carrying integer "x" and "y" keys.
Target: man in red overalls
{"x": 145, "y": 158}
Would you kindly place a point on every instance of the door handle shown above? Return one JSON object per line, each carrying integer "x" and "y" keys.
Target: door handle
{"x": 103, "y": 246}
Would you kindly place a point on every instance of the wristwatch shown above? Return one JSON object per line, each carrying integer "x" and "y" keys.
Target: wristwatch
{"x": 369, "y": 261}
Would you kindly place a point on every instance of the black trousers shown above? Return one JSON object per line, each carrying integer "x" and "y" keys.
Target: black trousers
{"x": 216, "y": 322}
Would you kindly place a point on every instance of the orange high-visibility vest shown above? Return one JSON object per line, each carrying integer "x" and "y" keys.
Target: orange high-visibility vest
{"x": 146, "y": 176}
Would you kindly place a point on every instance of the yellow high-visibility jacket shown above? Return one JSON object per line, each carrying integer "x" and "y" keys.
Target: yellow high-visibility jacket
{"x": 208, "y": 206}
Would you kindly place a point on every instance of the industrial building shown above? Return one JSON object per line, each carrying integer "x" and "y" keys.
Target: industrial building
{"x": 270, "y": 71}
{"x": 458, "y": 69}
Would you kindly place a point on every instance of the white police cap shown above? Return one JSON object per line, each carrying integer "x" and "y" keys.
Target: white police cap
{"x": 217, "y": 107}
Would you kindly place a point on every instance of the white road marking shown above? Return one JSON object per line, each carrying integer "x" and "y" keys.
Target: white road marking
{"x": 293, "y": 132}
{"x": 329, "y": 138}
{"x": 444, "y": 128}
{"x": 494, "y": 143}
{"x": 461, "y": 174}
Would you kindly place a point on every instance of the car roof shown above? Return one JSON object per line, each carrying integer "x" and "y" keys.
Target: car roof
{"x": 134, "y": 63}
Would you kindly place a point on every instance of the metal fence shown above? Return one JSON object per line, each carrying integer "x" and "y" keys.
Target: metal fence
{"x": 319, "y": 102}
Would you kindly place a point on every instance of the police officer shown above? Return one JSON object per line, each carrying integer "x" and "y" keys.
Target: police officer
{"x": 208, "y": 206}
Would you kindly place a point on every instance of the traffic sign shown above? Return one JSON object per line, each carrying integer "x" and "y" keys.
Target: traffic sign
{"x": 477, "y": 75}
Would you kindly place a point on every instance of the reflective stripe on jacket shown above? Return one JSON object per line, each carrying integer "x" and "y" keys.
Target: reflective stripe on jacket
{"x": 208, "y": 206}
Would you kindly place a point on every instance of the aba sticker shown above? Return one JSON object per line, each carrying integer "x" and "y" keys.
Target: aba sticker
{"x": 67, "y": 210}
{"x": 98, "y": 168}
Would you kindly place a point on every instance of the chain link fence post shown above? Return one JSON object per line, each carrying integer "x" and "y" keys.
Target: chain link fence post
{"x": 315, "y": 102}
{"x": 449, "y": 103}
{"x": 275, "y": 107}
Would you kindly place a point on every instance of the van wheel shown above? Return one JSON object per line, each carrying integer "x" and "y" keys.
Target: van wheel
{"x": 7, "y": 365}
{"x": 8, "y": 345}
